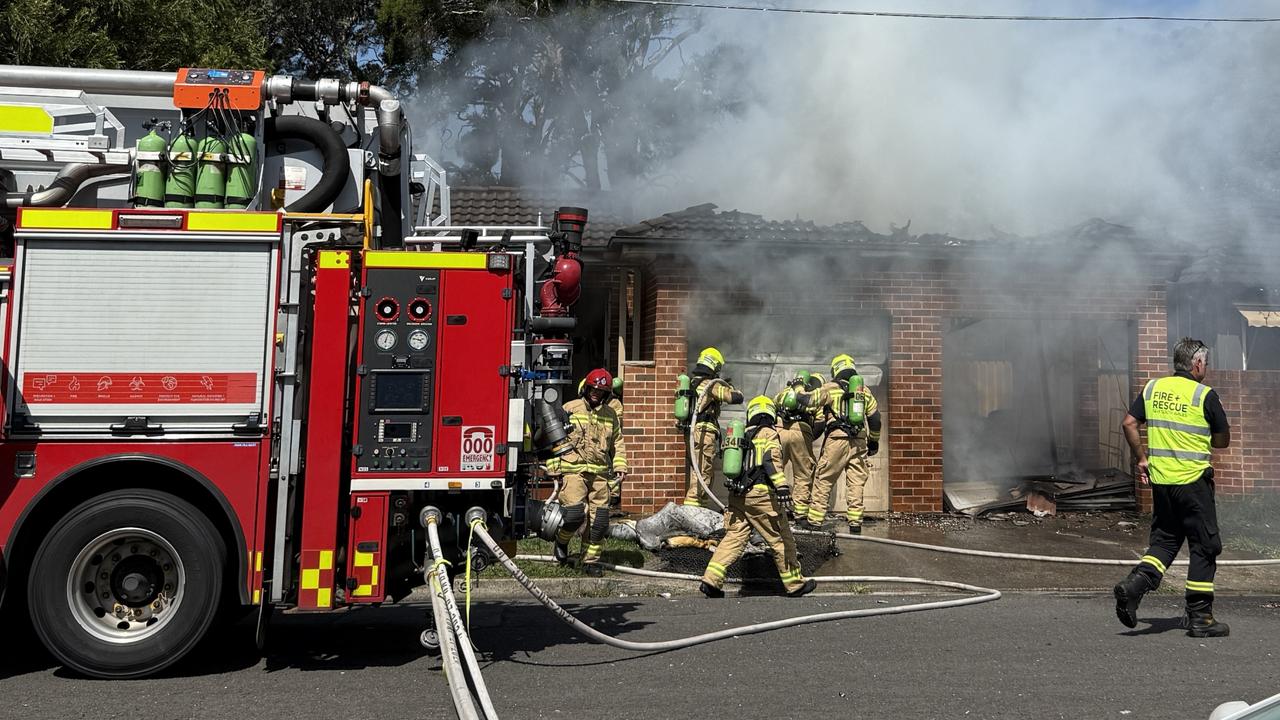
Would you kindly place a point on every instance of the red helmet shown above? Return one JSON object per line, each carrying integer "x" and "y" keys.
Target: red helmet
{"x": 599, "y": 379}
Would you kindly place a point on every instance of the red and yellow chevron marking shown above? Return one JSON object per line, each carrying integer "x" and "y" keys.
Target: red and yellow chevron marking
{"x": 364, "y": 567}
{"x": 316, "y": 589}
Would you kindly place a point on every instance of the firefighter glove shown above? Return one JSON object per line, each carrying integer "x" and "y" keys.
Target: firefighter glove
{"x": 783, "y": 493}
{"x": 873, "y": 447}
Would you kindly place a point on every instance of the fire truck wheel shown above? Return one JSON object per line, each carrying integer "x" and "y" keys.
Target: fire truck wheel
{"x": 126, "y": 583}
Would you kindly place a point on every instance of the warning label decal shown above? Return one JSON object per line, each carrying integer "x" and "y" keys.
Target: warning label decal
{"x": 89, "y": 388}
{"x": 477, "y": 448}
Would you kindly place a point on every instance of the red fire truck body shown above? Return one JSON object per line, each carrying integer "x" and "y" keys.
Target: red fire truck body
{"x": 211, "y": 408}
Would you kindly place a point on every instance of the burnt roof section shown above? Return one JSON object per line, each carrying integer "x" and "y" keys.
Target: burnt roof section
{"x": 1232, "y": 266}
{"x": 499, "y": 205}
{"x": 705, "y": 224}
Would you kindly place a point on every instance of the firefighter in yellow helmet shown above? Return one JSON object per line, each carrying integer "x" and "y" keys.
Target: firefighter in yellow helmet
{"x": 597, "y": 450}
{"x": 796, "y": 411}
{"x": 810, "y": 426}
{"x": 758, "y": 499}
{"x": 710, "y": 391}
{"x": 847, "y": 444}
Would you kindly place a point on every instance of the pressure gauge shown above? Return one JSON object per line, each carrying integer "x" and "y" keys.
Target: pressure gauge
{"x": 418, "y": 340}
{"x": 385, "y": 339}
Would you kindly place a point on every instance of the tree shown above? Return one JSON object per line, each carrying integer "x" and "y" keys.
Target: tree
{"x": 326, "y": 38}
{"x": 136, "y": 35}
{"x": 586, "y": 92}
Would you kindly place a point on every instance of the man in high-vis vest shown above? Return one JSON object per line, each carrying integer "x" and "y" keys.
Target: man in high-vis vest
{"x": 710, "y": 391}
{"x": 597, "y": 449}
{"x": 1184, "y": 419}
{"x": 758, "y": 501}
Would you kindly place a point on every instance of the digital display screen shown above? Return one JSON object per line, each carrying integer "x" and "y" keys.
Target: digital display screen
{"x": 392, "y": 431}
{"x": 398, "y": 391}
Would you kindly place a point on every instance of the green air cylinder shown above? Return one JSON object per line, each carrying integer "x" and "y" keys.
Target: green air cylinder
{"x": 854, "y": 409}
{"x": 148, "y": 174}
{"x": 803, "y": 378}
{"x": 681, "y": 410}
{"x": 790, "y": 399}
{"x": 211, "y": 174}
{"x": 733, "y": 447}
{"x": 242, "y": 171}
{"x": 180, "y": 188}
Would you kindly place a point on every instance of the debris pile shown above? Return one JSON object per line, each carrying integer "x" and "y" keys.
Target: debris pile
{"x": 1048, "y": 494}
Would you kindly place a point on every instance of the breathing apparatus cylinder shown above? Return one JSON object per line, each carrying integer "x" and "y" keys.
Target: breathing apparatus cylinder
{"x": 552, "y": 435}
{"x": 180, "y": 187}
{"x": 683, "y": 395}
{"x": 242, "y": 162}
{"x": 854, "y": 407}
{"x": 211, "y": 174}
{"x": 617, "y": 387}
{"x": 733, "y": 447}
{"x": 148, "y": 173}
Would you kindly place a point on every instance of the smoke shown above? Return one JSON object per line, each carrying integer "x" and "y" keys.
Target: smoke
{"x": 965, "y": 126}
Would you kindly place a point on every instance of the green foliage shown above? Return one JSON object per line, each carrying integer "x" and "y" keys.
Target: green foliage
{"x": 136, "y": 35}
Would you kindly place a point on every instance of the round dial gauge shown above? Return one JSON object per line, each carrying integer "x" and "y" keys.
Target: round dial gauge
{"x": 385, "y": 339}
{"x": 418, "y": 340}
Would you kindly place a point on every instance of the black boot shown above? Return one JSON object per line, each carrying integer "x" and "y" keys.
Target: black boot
{"x": 1200, "y": 622}
{"x": 593, "y": 569}
{"x": 710, "y": 590}
{"x": 809, "y": 586}
{"x": 1129, "y": 593}
{"x": 561, "y": 553}
{"x": 855, "y": 529}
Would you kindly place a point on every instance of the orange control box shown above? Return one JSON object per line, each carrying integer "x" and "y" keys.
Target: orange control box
{"x": 194, "y": 88}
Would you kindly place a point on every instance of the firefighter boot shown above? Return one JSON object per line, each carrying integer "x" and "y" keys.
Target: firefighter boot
{"x": 561, "y": 553}
{"x": 855, "y": 529}
{"x": 1200, "y": 622}
{"x": 593, "y": 569}
{"x": 1129, "y": 593}
{"x": 710, "y": 590}
{"x": 809, "y": 586}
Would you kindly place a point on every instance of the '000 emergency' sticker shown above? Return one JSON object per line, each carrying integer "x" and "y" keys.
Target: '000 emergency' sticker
{"x": 477, "y": 448}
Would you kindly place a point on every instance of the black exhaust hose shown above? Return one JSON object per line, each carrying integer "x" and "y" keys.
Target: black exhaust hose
{"x": 337, "y": 165}
{"x": 391, "y": 207}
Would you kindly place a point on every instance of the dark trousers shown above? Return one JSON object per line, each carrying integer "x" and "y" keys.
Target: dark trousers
{"x": 1185, "y": 512}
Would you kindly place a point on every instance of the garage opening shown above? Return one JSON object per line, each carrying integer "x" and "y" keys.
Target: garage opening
{"x": 1031, "y": 414}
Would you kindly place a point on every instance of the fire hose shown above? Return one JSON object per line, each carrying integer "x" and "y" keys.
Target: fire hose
{"x": 986, "y": 595}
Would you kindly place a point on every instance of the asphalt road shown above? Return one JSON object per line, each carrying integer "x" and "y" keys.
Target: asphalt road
{"x": 1024, "y": 656}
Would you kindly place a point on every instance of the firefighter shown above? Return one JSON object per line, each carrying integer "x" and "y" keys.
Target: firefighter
{"x": 757, "y": 500}
{"x": 812, "y": 425}
{"x": 615, "y": 483}
{"x": 795, "y": 412}
{"x": 1184, "y": 419}
{"x": 710, "y": 391}
{"x": 597, "y": 449}
{"x": 845, "y": 448}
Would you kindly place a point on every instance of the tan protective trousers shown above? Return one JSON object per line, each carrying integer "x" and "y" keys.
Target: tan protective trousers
{"x": 796, "y": 439}
{"x": 757, "y": 509}
{"x": 706, "y": 445}
{"x": 841, "y": 458}
{"x": 593, "y": 490}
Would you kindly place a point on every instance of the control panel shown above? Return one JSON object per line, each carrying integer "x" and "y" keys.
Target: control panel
{"x": 397, "y": 371}
{"x": 193, "y": 88}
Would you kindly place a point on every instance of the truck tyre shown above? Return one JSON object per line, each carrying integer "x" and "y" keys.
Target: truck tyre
{"x": 126, "y": 583}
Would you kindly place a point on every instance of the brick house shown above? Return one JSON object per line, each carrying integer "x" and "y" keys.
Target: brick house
{"x": 1034, "y": 346}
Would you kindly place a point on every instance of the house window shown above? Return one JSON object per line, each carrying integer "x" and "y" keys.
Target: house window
{"x": 1261, "y": 330}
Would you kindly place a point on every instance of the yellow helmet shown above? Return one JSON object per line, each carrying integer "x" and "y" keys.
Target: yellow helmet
{"x": 843, "y": 367}
{"x": 711, "y": 359}
{"x": 761, "y": 404}
{"x": 815, "y": 381}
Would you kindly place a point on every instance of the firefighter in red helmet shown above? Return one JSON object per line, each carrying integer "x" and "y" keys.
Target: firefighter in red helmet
{"x": 597, "y": 450}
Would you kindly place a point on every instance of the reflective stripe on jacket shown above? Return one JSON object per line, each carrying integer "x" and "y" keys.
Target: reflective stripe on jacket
{"x": 1178, "y": 435}
{"x": 767, "y": 461}
{"x": 708, "y": 396}
{"x": 596, "y": 438}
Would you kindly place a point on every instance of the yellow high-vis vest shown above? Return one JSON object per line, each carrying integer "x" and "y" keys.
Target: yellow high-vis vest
{"x": 1178, "y": 435}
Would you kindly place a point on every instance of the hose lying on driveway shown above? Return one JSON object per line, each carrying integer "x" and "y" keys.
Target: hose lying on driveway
{"x": 444, "y": 590}
{"x": 986, "y": 595}
{"x": 1018, "y": 556}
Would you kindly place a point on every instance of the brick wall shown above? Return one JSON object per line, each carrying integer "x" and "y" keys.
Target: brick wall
{"x": 921, "y": 300}
{"x": 1252, "y": 401}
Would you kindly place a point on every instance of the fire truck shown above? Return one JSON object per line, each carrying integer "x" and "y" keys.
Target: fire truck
{"x": 245, "y": 350}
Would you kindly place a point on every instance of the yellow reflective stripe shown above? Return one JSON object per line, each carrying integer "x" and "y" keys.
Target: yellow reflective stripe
{"x": 25, "y": 119}
{"x": 64, "y": 219}
{"x": 715, "y": 569}
{"x": 855, "y": 514}
{"x": 233, "y": 221}
{"x": 564, "y": 536}
{"x": 1196, "y": 586}
{"x": 326, "y": 559}
{"x": 1183, "y": 427}
{"x": 407, "y": 259}
{"x": 310, "y": 579}
{"x": 335, "y": 259}
{"x": 1154, "y": 562}
{"x": 778, "y": 479}
{"x": 760, "y": 486}
{"x": 257, "y": 562}
{"x": 324, "y": 597}
{"x": 690, "y": 502}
